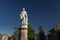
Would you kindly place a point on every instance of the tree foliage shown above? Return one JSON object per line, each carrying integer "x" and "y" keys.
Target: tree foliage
{"x": 31, "y": 32}
{"x": 41, "y": 34}
{"x": 15, "y": 34}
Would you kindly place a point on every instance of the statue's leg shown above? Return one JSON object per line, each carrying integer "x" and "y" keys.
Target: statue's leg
{"x": 22, "y": 22}
{"x": 26, "y": 21}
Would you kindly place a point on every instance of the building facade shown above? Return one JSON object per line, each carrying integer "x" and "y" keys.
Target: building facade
{"x": 5, "y": 37}
{"x": 54, "y": 33}
{"x": 0, "y": 36}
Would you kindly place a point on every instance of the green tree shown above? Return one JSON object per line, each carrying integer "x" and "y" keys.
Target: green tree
{"x": 36, "y": 38}
{"x": 41, "y": 34}
{"x": 16, "y": 34}
{"x": 31, "y": 32}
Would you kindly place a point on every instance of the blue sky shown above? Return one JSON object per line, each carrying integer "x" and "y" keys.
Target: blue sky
{"x": 40, "y": 12}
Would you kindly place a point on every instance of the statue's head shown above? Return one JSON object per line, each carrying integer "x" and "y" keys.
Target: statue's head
{"x": 23, "y": 11}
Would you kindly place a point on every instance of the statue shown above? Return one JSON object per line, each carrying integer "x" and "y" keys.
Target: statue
{"x": 24, "y": 26}
{"x": 24, "y": 17}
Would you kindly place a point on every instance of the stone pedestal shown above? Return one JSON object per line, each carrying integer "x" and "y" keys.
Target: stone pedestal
{"x": 24, "y": 33}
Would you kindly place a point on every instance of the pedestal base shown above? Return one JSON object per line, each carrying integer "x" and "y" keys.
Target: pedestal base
{"x": 24, "y": 33}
